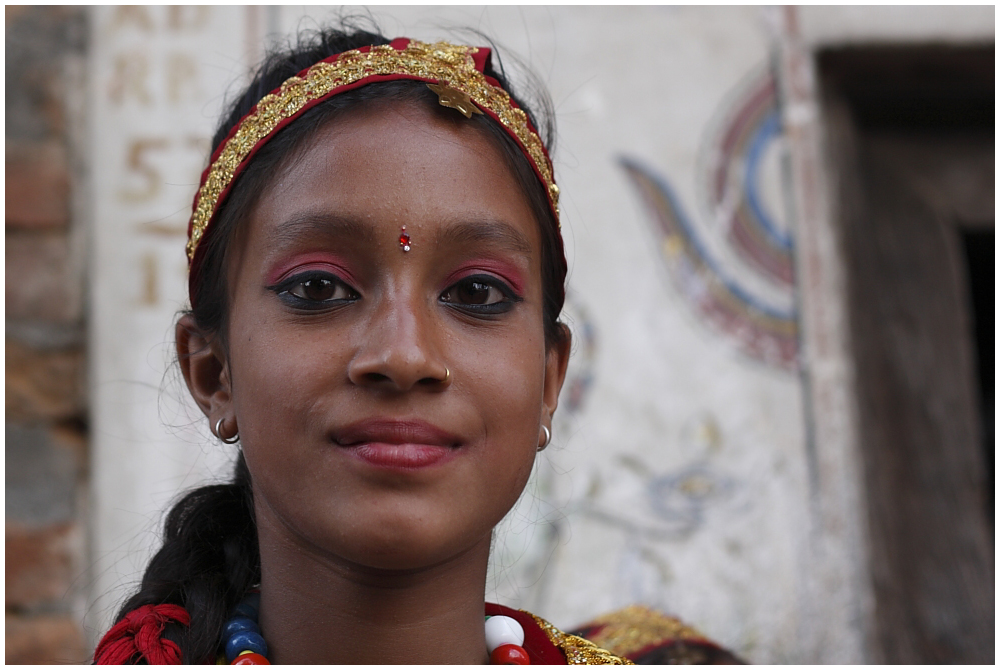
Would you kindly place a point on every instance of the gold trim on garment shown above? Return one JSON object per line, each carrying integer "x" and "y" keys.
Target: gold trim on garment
{"x": 440, "y": 62}
{"x": 634, "y": 628}
{"x": 577, "y": 650}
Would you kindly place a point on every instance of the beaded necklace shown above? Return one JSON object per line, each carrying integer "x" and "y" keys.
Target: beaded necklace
{"x": 243, "y": 643}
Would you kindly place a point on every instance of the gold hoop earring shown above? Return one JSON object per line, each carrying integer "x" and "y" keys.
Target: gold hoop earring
{"x": 218, "y": 433}
{"x": 548, "y": 438}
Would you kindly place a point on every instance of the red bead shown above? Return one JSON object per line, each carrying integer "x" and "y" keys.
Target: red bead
{"x": 250, "y": 659}
{"x": 404, "y": 238}
{"x": 509, "y": 654}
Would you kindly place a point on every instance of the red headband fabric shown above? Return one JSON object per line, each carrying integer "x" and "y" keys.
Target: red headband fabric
{"x": 458, "y": 67}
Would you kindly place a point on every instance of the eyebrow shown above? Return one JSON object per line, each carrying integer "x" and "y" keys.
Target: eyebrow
{"x": 312, "y": 224}
{"x": 494, "y": 232}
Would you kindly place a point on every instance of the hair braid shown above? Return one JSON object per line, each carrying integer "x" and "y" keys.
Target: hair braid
{"x": 208, "y": 561}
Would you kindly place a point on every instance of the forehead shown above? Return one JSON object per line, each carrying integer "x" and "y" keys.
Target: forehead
{"x": 398, "y": 165}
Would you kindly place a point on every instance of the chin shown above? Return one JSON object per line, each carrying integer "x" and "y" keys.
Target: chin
{"x": 403, "y": 545}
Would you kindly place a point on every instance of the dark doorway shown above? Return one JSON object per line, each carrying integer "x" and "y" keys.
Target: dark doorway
{"x": 912, "y": 144}
{"x": 980, "y": 257}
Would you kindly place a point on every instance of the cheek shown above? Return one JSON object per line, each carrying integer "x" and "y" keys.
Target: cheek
{"x": 282, "y": 383}
{"x": 508, "y": 382}
{"x": 506, "y": 368}
{"x": 278, "y": 375}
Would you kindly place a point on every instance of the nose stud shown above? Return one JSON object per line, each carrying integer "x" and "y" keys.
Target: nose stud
{"x": 404, "y": 239}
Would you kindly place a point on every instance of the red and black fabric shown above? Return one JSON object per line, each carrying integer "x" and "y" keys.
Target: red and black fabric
{"x": 138, "y": 637}
{"x": 647, "y": 637}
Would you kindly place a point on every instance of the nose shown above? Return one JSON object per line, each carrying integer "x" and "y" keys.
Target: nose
{"x": 401, "y": 348}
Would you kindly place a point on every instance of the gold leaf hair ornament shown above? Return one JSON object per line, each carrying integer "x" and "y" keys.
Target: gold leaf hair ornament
{"x": 454, "y": 72}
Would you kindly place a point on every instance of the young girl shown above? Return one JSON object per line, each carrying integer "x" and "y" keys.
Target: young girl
{"x": 376, "y": 276}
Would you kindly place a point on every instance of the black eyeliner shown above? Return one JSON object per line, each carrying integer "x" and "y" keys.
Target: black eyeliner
{"x": 494, "y": 309}
{"x": 284, "y": 294}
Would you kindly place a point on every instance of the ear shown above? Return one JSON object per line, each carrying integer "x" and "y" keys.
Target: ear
{"x": 204, "y": 365}
{"x": 556, "y": 362}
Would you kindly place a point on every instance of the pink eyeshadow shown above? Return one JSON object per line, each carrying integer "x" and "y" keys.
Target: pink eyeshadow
{"x": 505, "y": 271}
{"x": 313, "y": 261}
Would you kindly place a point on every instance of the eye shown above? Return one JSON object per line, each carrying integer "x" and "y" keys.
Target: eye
{"x": 480, "y": 294}
{"x": 319, "y": 289}
{"x": 314, "y": 290}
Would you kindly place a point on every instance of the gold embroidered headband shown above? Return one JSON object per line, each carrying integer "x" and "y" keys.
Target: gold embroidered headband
{"x": 455, "y": 73}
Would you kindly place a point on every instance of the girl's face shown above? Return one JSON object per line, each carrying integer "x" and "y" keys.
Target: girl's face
{"x": 389, "y": 402}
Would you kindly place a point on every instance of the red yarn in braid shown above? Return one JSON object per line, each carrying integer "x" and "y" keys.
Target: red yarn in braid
{"x": 139, "y": 635}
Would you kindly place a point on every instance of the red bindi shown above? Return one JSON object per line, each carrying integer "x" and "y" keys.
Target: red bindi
{"x": 404, "y": 239}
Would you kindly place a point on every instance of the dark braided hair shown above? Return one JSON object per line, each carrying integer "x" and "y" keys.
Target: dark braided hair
{"x": 210, "y": 555}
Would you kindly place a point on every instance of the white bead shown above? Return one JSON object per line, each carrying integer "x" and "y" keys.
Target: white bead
{"x": 503, "y": 630}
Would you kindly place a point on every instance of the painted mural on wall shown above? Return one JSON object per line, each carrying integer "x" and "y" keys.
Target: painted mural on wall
{"x": 643, "y": 510}
{"x": 734, "y": 267}
{"x": 746, "y": 290}
{"x": 662, "y": 506}
{"x": 745, "y": 293}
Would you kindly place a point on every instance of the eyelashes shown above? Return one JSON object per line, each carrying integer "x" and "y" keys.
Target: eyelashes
{"x": 478, "y": 295}
{"x": 315, "y": 290}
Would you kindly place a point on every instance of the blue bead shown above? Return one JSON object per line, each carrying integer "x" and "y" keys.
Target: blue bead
{"x": 245, "y": 641}
{"x": 246, "y": 609}
{"x": 250, "y": 605}
{"x": 253, "y": 600}
{"x": 239, "y": 624}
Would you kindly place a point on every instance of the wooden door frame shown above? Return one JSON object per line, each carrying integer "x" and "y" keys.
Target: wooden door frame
{"x": 891, "y": 122}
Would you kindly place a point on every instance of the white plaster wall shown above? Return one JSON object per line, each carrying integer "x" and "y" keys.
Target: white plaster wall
{"x": 155, "y": 90}
{"x": 824, "y": 25}
{"x": 676, "y": 414}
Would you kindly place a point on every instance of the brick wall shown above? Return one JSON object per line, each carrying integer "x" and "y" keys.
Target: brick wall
{"x": 46, "y": 407}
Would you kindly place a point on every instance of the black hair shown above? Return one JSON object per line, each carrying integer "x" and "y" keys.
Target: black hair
{"x": 210, "y": 555}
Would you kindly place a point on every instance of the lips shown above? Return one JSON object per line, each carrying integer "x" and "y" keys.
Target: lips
{"x": 397, "y": 445}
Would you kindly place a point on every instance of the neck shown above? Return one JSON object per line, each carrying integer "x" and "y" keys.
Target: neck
{"x": 319, "y": 608}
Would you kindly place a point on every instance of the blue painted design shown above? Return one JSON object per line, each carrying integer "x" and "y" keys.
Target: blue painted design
{"x": 682, "y": 497}
{"x": 768, "y": 130}
{"x": 700, "y": 249}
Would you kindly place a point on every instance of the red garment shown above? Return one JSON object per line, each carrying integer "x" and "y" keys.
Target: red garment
{"x": 540, "y": 648}
{"x": 139, "y": 635}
